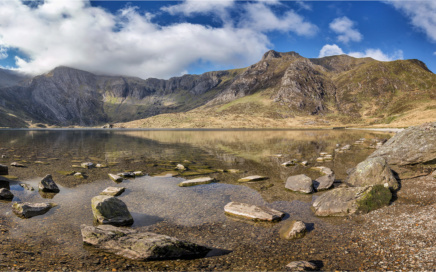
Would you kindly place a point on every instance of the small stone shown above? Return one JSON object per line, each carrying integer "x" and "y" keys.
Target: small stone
{"x": 322, "y": 154}
{"x": 301, "y": 266}
{"x": 99, "y": 165}
{"x": 288, "y": 163}
{"x": 6, "y": 194}
{"x": 87, "y": 165}
{"x": 15, "y": 164}
{"x": 294, "y": 230}
{"x": 113, "y": 191}
{"x": 299, "y": 183}
{"x": 48, "y": 185}
{"x": 180, "y": 167}
{"x": 304, "y": 163}
{"x": 319, "y": 159}
{"x": 197, "y": 181}
{"x": 79, "y": 175}
{"x": 127, "y": 174}
{"x": 252, "y": 178}
{"x": 139, "y": 173}
{"x": 28, "y": 210}
{"x": 346, "y": 147}
{"x": 115, "y": 178}
{"x": 253, "y": 212}
{"x": 233, "y": 171}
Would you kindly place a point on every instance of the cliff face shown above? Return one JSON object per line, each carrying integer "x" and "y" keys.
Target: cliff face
{"x": 280, "y": 85}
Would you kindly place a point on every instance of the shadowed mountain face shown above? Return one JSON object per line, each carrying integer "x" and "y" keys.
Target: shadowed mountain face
{"x": 286, "y": 85}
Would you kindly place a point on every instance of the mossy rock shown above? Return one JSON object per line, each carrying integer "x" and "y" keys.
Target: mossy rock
{"x": 66, "y": 173}
{"x": 10, "y": 177}
{"x": 376, "y": 198}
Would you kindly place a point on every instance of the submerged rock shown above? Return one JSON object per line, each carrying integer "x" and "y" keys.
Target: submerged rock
{"x": 4, "y": 170}
{"x": 6, "y": 194}
{"x": 373, "y": 171}
{"x": 134, "y": 245}
{"x": 252, "y": 178}
{"x": 28, "y": 210}
{"x": 113, "y": 191}
{"x": 115, "y": 178}
{"x": 253, "y": 212}
{"x": 48, "y": 185}
{"x": 294, "y": 230}
{"x": 27, "y": 186}
{"x": 197, "y": 181}
{"x": 411, "y": 146}
{"x": 299, "y": 183}
{"x": 111, "y": 210}
{"x": 346, "y": 201}
{"x": 301, "y": 266}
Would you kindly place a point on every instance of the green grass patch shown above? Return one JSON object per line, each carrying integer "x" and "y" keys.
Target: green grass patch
{"x": 378, "y": 197}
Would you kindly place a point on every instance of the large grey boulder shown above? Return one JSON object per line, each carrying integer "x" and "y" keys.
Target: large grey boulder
{"x": 6, "y": 194}
{"x": 252, "y": 212}
{"x": 326, "y": 181}
{"x": 411, "y": 146}
{"x": 111, "y": 210}
{"x": 131, "y": 244}
{"x": 299, "y": 183}
{"x": 4, "y": 170}
{"x": 47, "y": 184}
{"x": 28, "y": 210}
{"x": 346, "y": 201}
{"x": 373, "y": 171}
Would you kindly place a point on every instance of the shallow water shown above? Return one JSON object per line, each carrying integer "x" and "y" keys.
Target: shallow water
{"x": 157, "y": 203}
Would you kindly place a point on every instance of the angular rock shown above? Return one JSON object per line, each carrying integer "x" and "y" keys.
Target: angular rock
{"x": 134, "y": 245}
{"x": 28, "y": 210}
{"x": 326, "y": 181}
{"x": 48, "y": 185}
{"x": 294, "y": 230}
{"x": 253, "y": 212}
{"x": 115, "y": 178}
{"x": 346, "y": 201}
{"x": 301, "y": 266}
{"x": 197, "y": 181}
{"x": 411, "y": 146}
{"x": 373, "y": 171}
{"x": 113, "y": 191}
{"x": 6, "y": 194}
{"x": 111, "y": 210}
{"x": 4, "y": 170}
{"x": 87, "y": 165}
{"x": 252, "y": 178}
{"x": 299, "y": 183}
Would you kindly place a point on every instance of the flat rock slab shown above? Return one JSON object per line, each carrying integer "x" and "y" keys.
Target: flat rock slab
{"x": 16, "y": 164}
{"x": 111, "y": 210}
{"x": 301, "y": 266}
{"x": 113, "y": 191}
{"x": 252, "y": 178}
{"x": 197, "y": 181}
{"x": 127, "y": 175}
{"x": 6, "y": 194}
{"x": 253, "y": 212}
{"x": 134, "y": 245}
{"x": 28, "y": 210}
{"x": 299, "y": 183}
{"x": 115, "y": 178}
{"x": 48, "y": 185}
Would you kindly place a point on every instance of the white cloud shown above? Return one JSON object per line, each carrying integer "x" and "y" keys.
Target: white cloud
{"x": 421, "y": 13}
{"x": 303, "y": 5}
{"x": 3, "y": 52}
{"x": 345, "y": 28}
{"x": 191, "y": 7}
{"x": 330, "y": 50}
{"x": 377, "y": 54}
{"x": 75, "y": 34}
{"x": 260, "y": 17}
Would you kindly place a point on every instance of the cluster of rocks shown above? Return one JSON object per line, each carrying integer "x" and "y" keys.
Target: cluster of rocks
{"x": 304, "y": 184}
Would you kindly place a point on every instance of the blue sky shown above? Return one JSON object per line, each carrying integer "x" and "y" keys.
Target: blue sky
{"x": 170, "y": 38}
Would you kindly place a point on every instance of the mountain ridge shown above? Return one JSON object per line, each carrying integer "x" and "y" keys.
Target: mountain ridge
{"x": 280, "y": 86}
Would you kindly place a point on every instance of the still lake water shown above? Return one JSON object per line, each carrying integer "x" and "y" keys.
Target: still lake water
{"x": 157, "y": 203}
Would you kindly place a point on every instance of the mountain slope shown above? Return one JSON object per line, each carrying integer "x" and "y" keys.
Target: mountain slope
{"x": 281, "y": 90}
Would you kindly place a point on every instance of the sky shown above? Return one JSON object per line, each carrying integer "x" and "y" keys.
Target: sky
{"x": 163, "y": 39}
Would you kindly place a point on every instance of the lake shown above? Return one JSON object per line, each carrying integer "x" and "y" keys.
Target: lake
{"x": 158, "y": 204}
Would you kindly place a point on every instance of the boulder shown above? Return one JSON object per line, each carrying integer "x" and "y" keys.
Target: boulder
{"x": 48, "y": 185}
{"x": 115, "y": 178}
{"x": 294, "y": 230}
{"x": 4, "y": 170}
{"x": 373, "y": 171}
{"x": 252, "y": 178}
{"x": 326, "y": 181}
{"x": 6, "y": 194}
{"x": 346, "y": 201}
{"x": 111, "y": 210}
{"x": 411, "y": 146}
{"x": 28, "y": 210}
{"x": 113, "y": 191}
{"x": 134, "y": 245}
{"x": 301, "y": 266}
{"x": 197, "y": 181}
{"x": 252, "y": 212}
{"x": 299, "y": 183}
